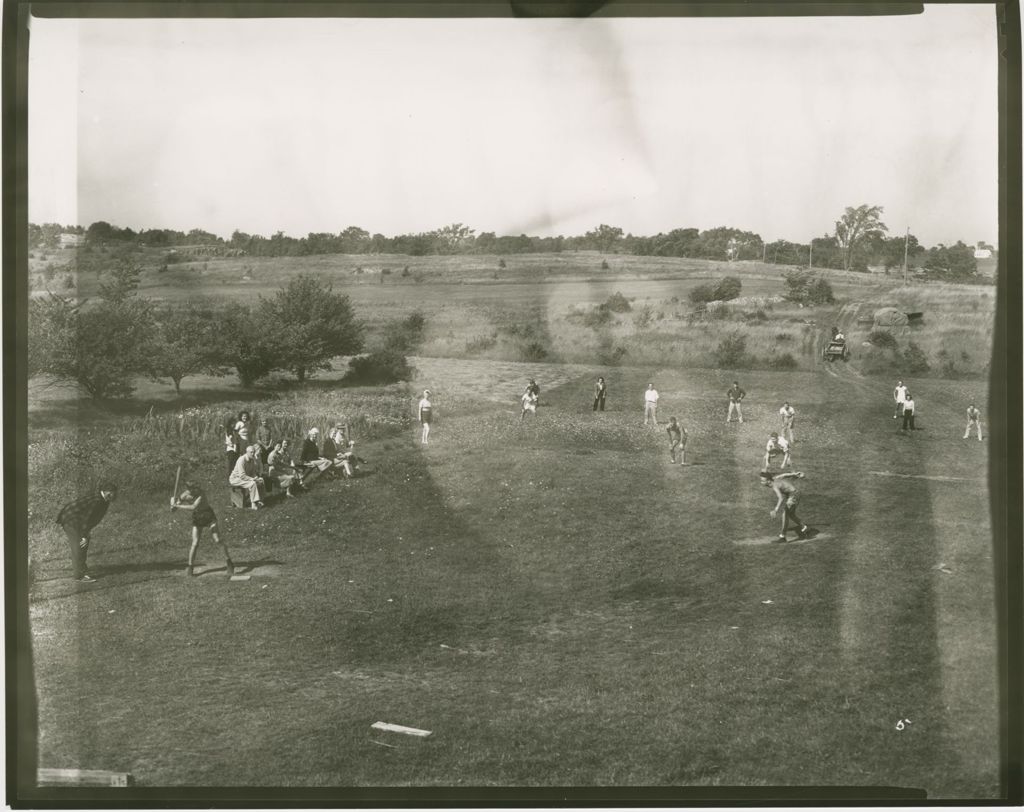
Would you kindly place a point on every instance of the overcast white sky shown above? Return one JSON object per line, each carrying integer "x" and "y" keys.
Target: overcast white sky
{"x": 536, "y": 126}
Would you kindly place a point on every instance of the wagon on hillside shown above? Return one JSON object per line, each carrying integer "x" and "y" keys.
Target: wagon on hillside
{"x": 836, "y": 350}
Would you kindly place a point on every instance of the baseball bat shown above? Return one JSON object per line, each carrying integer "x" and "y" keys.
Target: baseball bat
{"x": 177, "y": 478}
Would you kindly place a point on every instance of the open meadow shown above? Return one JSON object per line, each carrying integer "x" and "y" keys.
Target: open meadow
{"x": 551, "y": 597}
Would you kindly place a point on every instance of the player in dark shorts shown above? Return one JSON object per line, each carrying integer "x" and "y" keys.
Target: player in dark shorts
{"x": 787, "y": 494}
{"x": 193, "y": 498}
{"x": 677, "y": 440}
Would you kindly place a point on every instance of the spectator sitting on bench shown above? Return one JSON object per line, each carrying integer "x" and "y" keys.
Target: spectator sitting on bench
{"x": 283, "y": 471}
{"x": 311, "y": 457}
{"x": 248, "y": 475}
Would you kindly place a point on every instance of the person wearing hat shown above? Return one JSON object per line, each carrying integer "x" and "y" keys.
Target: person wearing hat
{"x": 248, "y": 475}
{"x": 78, "y": 519}
{"x": 424, "y": 413}
{"x": 311, "y": 457}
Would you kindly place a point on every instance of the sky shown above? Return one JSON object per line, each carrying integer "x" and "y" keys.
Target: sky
{"x": 542, "y": 127}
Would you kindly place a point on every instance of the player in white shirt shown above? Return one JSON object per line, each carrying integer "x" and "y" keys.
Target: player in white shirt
{"x": 788, "y": 415}
{"x": 899, "y": 394}
{"x": 776, "y": 445}
{"x": 651, "y": 405}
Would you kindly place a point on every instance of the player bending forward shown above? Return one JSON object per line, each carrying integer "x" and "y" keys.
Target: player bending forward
{"x": 677, "y": 440}
{"x": 193, "y": 498}
{"x": 529, "y": 399}
{"x": 787, "y": 494}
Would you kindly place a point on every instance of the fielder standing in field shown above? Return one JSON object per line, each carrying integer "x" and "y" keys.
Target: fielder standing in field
{"x": 908, "y": 413}
{"x": 735, "y": 395}
{"x": 782, "y": 485}
{"x": 651, "y": 405}
{"x": 78, "y": 519}
{"x": 425, "y": 412}
{"x": 788, "y": 415}
{"x": 530, "y": 399}
{"x": 899, "y": 394}
{"x": 973, "y": 420}
{"x": 676, "y": 440}
{"x": 600, "y": 393}
{"x": 193, "y": 498}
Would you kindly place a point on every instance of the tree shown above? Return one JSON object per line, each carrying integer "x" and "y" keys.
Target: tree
{"x": 246, "y": 344}
{"x": 121, "y": 281}
{"x": 452, "y": 239}
{"x": 953, "y": 261}
{"x": 728, "y": 288}
{"x": 311, "y": 325}
{"x": 804, "y": 287}
{"x": 188, "y": 340}
{"x": 857, "y": 225}
{"x": 604, "y": 237}
{"x": 100, "y": 346}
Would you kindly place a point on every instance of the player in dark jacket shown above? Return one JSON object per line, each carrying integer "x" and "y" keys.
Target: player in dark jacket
{"x": 193, "y": 498}
{"x": 78, "y": 518}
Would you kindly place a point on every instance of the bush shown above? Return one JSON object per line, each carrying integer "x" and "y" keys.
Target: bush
{"x": 731, "y": 352}
{"x": 617, "y": 303}
{"x": 384, "y": 366}
{"x": 915, "y": 359}
{"x": 784, "y": 361}
{"x": 803, "y": 287}
{"x": 481, "y": 343}
{"x": 883, "y": 339}
{"x": 608, "y": 353}
{"x": 604, "y": 265}
{"x": 643, "y": 318}
{"x": 405, "y": 335}
{"x": 501, "y": 263}
{"x": 702, "y": 294}
{"x": 534, "y": 351}
{"x": 728, "y": 288}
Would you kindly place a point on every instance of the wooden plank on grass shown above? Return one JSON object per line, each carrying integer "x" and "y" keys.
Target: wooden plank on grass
{"x": 409, "y": 731}
{"x": 50, "y": 777}
{"x": 241, "y": 577}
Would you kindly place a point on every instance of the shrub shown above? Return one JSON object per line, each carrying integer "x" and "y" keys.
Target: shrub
{"x": 598, "y": 317}
{"x": 617, "y": 303}
{"x": 534, "y": 351}
{"x": 643, "y": 318}
{"x": 405, "y": 335}
{"x": 784, "y": 361}
{"x": 501, "y": 263}
{"x": 803, "y": 287}
{"x": 69, "y": 281}
{"x": 915, "y": 358}
{"x": 783, "y": 336}
{"x": 883, "y": 339}
{"x": 604, "y": 265}
{"x": 702, "y": 294}
{"x": 731, "y": 352}
{"x": 728, "y": 288}
{"x": 383, "y": 366}
{"x": 481, "y": 343}
{"x": 608, "y": 353}
{"x": 405, "y": 271}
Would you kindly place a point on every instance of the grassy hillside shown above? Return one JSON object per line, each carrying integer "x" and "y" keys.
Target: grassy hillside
{"x": 552, "y": 598}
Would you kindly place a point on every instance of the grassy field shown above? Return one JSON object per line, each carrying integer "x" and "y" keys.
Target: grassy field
{"x": 552, "y": 598}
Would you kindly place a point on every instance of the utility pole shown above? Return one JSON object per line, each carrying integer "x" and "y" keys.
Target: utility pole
{"x": 810, "y": 254}
{"x": 764, "y": 251}
{"x": 906, "y": 246}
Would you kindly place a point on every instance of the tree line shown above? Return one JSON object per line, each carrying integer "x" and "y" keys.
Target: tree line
{"x": 103, "y": 345}
{"x": 858, "y": 240}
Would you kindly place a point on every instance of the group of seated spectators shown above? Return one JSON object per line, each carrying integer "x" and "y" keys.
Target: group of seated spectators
{"x": 264, "y": 464}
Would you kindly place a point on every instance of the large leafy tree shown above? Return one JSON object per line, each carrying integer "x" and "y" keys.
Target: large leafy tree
{"x": 311, "y": 325}
{"x": 101, "y": 346}
{"x": 856, "y": 226}
{"x": 188, "y": 340}
{"x": 604, "y": 238}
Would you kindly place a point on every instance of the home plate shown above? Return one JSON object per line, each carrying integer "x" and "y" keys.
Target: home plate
{"x": 812, "y": 535}
{"x": 241, "y": 577}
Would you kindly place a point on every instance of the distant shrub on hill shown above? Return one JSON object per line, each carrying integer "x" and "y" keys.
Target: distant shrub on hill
{"x": 728, "y": 288}
{"x": 617, "y": 303}
{"x": 383, "y": 366}
{"x": 804, "y": 287}
{"x": 731, "y": 352}
{"x": 883, "y": 339}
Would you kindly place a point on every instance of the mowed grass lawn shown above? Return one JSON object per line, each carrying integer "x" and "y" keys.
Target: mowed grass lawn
{"x": 558, "y": 604}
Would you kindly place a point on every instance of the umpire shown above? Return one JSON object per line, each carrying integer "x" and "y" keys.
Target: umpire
{"x": 78, "y": 518}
